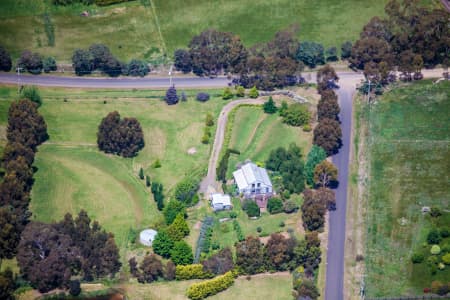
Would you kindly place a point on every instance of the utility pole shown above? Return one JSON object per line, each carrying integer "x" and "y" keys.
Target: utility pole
{"x": 368, "y": 92}
{"x": 170, "y": 74}
{"x": 18, "y": 79}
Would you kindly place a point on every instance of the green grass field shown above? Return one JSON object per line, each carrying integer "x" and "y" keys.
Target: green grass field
{"x": 255, "y": 134}
{"x": 134, "y": 31}
{"x": 277, "y": 286}
{"x": 409, "y": 163}
{"x": 72, "y": 174}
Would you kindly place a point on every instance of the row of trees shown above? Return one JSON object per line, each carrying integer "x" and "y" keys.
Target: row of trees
{"x": 410, "y": 36}
{"x": 99, "y": 57}
{"x": 25, "y": 131}
{"x": 28, "y": 61}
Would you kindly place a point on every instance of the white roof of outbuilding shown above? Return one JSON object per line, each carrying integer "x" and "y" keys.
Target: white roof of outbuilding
{"x": 147, "y": 236}
{"x": 250, "y": 173}
{"x": 220, "y": 199}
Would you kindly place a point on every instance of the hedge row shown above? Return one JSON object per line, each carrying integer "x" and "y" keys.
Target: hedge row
{"x": 194, "y": 271}
{"x": 238, "y": 229}
{"x": 210, "y": 287}
{"x": 206, "y": 224}
{"x": 109, "y": 2}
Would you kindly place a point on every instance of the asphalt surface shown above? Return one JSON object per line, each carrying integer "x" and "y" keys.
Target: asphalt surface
{"x": 336, "y": 234}
{"x": 120, "y": 83}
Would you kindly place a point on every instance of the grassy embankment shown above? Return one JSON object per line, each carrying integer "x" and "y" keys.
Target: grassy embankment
{"x": 134, "y": 31}
{"x": 408, "y": 148}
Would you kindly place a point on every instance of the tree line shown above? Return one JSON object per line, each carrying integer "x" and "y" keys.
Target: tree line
{"x": 409, "y": 37}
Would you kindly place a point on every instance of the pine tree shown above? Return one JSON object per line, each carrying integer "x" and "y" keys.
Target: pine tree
{"x": 141, "y": 174}
{"x": 171, "y": 96}
{"x": 269, "y": 106}
{"x": 147, "y": 181}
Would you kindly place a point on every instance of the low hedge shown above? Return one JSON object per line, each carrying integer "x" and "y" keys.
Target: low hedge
{"x": 194, "y": 271}
{"x": 210, "y": 287}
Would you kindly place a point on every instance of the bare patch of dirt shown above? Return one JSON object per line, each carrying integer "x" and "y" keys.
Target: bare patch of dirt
{"x": 192, "y": 151}
{"x": 198, "y": 225}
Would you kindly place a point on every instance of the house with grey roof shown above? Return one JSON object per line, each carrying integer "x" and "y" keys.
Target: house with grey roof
{"x": 252, "y": 181}
{"x": 221, "y": 202}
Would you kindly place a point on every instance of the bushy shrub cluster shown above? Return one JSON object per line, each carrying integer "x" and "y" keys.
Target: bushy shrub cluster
{"x": 275, "y": 205}
{"x": 158, "y": 195}
{"x": 185, "y": 191}
{"x": 238, "y": 229}
{"x": 210, "y": 287}
{"x": 194, "y": 271}
{"x": 202, "y": 97}
{"x": 223, "y": 164}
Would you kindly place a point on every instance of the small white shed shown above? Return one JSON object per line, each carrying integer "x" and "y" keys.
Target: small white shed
{"x": 220, "y": 202}
{"x": 147, "y": 236}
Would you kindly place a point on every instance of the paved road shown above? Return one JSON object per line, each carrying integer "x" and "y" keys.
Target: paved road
{"x": 209, "y": 183}
{"x": 122, "y": 83}
{"x": 336, "y": 235}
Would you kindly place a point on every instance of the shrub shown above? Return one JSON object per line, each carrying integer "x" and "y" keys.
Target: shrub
{"x": 311, "y": 54}
{"x": 137, "y": 68}
{"x": 282, "y": 224}
{"x": 417, "y": 258}
{"x": 227, "y": 94}
{"x": 31, "y": 62}
{"x": 179, "y": 228}
{"x": 444, "y": 233}
{"x": 74, "y": 288}
{"x": 5, "y": 60}
{"x": 186, "y": 189}
{"x": 210, "y": 287}
{"x": 240, "y": 91}
{"x": 446, "y": 259}
{"x": 435, "y": 249}
{"x": 259, "y": 229}
{"x": 49, "y": 64}
{"x": 141, "y": 174}
{"x": 435, "y": 212}
{"x": 163, "y": 244}
{"x": 209, "y": 120}
{"x": 434, "y": 237}
{"x": 238, "y": 229}
{"x": 233, "y": 215}
{"x": 251, "y": 208}
{"x": 307, "y": 128}
{"x": 171, "y": 97}
{"x": 275, "y": 205}
{"x": 346, "y": 50}
{"x": 31, "y": 93}
{"x": 269, "y": 106}
{"x": 253, "y": 93}
{"x": 289, "y": 206}
{"x": 147, "y": 181}
{"x": 332, "y": 54}
{"x": 156, "y": 164}
{"x": 202, "y": 97}
{"x": 219, "y": 263}
{"x": 194, "y": 271}
{"x": 297, "y": 115}
{"x": 181, "y": 253}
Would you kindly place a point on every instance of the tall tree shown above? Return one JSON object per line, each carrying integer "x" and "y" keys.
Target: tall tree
{"x": 163, "y": 244}
{"x": 183, "y": 60}
{"x": 325, "y": 174}
{"x": 178, "y": 229}
{"x": 250, "y": 255}
{"x": 220, "y": 262}
{"x": 9, "y": 234}
{"x": 326, "y": 78}
{"x": 279, "y": 251}
{"x": 151, "y": 269}
{"x": 171, "y": 97}
{"x": 328, "y": 135}
{"x": 5, "y": 60}
{"x": 315, "y": 156}
{"x": 181, "y": 253}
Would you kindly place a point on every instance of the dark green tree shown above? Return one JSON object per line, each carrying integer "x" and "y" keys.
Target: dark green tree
{"x": 74, "y": 288}
{"x": 251, "y": 208}
{"x": 137, "y": 68}
{"x": 5, "y": 60}
{"x": 172, "y": 209}
{"x": 275, "y": 205}
{"x": 163, "y": 244}
{"x": 7, "y": 285}
{"x": 186, "y": 189}
{"x": 49, "y": 64}
{"x": 315, "y": 156}
{"x": 269, "y": 106}
{"x": 346, "y": 50}
{"x": 181, "y": 253}
{"x": 30, "y": 62}
{"x": 311, "y": 54}
{"x": 147, "y": 181}
{"x": 183, "y": 60}
{"x": 171, "y": 97}
{"x": 331, "y": 54}
{"x": 82, "y": 62}
{"x": 141, "y": 174}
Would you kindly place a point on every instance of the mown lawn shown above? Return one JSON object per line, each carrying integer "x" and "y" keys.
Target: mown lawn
{"x": 409, "y": 151}
{"x": 276, "y": 286}
{"x": 134, "y": 31}
{"x": 72, "y": 174}
{"x": 255, "y": 134}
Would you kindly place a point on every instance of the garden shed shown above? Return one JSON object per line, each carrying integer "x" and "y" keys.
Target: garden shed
{"x": 147, "y": 236}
